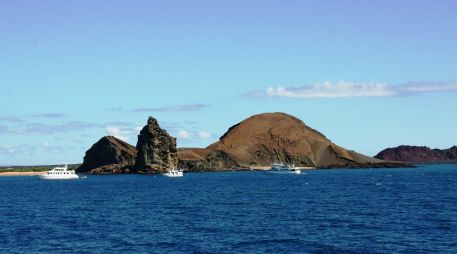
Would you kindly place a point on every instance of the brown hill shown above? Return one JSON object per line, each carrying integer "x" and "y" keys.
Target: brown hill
{"x": 418, "y": 154}
{"x": 108, "y": 155}
{"x": 263, "y": 139}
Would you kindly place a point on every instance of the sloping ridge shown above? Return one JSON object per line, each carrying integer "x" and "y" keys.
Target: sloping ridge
{"x": 109, "y": 154}
{"x": 263, "y": 139}
{"x": 419, "y": 154}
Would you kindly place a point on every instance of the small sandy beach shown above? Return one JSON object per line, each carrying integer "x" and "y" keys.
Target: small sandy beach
{"x": 21, "y": 173}
{"x": 260, "y": 167}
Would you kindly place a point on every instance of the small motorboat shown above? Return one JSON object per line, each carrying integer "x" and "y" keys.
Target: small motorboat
{"x": 59, "y": 173}
{"x": 174, "y": 173}
{"x": 280, "y": 168}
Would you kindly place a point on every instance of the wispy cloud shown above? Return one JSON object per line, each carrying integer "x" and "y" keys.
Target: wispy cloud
{"x": 11, "y": 119}
{"x": 49, "y": 115}
{"x": 173, "y": 108}
{"x": 52, "y": 148}
{"x": 119, "y": 133}
{"x": 184, "y": 134}
{"x": 3, "y": 129}
{"x": 203, "y": 134}
{"x": 122, "y": 133}
{"x": 28, "y": 149}
{"x": 40, "y": 128}
{"x": 18, "y": 150}
{"x": 342, "y": 89}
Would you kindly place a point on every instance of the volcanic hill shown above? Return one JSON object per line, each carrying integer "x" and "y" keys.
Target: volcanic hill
{"x": 263, "y": 139}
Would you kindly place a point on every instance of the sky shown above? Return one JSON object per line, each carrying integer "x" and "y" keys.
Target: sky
{"x": 367, "y": 74}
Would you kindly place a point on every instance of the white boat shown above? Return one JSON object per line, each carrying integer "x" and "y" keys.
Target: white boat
{"x": 280, "y": 168}
{"x": 174, "y": 173}
{"x": 59, "y": 173}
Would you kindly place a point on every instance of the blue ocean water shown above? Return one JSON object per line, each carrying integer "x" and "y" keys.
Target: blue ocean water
{"x": 322, "y": 211}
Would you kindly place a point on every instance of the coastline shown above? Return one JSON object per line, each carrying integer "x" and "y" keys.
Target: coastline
{"x": 22, "y": 173}
{"x": 269, "y": 167}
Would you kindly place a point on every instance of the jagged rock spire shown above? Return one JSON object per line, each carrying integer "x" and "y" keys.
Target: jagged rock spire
{"x": 156, "y": 149}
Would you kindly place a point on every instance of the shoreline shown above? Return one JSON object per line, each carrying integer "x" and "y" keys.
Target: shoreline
{"x": 264, "y": 168}
{"x": 33, "y": 173}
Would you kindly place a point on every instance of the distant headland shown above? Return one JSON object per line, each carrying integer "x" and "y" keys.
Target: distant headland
{"x": 419, "y": 154}
{"x": 257, "y": 141}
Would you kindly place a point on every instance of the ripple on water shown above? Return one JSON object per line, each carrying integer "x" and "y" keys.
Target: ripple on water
{"x": 327, "y": 211}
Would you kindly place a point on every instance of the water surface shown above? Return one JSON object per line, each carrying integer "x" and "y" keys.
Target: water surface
{"x": 322, "y": 211}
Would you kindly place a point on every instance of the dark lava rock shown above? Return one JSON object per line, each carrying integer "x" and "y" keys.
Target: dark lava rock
{"x": 418, "y": 154}
{"x": 212, "y": 161}
{"x": 108, "y": 156}
{"x": 156, "y": 149}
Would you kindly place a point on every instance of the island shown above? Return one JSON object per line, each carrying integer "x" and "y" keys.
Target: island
{"x": 254, "y": 143}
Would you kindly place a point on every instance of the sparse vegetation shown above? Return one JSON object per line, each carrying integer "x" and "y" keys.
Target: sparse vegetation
{"x": 24, "y": 169}
{"x": 33, "y": 168}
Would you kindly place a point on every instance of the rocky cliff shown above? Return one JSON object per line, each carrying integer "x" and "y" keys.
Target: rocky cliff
{"x": 108, "y": 155}
{"x": 267, "y": 138}
{"x": 418, "y": 154}
{"x": 156, "y": 149}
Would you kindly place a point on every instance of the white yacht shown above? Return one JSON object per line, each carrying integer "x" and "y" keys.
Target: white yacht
{"x": 280, "y": 168}
{"x": 59, "y": 173}
{"x": 174, "y": 173}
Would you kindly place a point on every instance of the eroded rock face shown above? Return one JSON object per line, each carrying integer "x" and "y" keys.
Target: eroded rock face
{"x": 208, "y": 160}
{"x": 418, "y": 154}
{"x": 108, "y": 156}
{"x": 156, "y": 149}
{"x": 263, "y": 139}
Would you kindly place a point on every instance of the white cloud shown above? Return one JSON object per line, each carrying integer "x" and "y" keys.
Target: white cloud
{"x": 191, "y": 134}
{"x": 45, "y": 144}
{"x": 184, "y": 134}
{"x": 203, "y": 134}
{"x": 120, "y": 133}
{"x": 342, "y": 89}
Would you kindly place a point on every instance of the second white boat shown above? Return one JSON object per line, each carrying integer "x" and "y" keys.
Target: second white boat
{"x": 280, "y": 168}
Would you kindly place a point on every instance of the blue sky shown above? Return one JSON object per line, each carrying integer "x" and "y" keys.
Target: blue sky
{"x": 368, "y": 75}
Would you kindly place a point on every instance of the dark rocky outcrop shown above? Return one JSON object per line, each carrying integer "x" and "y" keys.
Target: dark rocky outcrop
{"x": 419, "y": 154}
{"x": 109, "y": 155}
{"x": 156, "y": 149}
{"x": 267, "y": 138}
{"x": 201, "y": 159}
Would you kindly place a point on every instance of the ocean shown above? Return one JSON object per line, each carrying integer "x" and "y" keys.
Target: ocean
{"x": 410, "y": 210}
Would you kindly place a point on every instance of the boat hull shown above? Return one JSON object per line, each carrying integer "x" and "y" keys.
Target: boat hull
{"x": 283, "y": 172}
{"x": 179, "y": 174}
{"x": 59, "y": 177}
